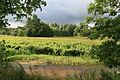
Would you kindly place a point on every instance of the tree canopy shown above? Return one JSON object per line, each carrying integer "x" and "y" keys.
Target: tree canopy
{"x": 105, "y": 15}
{"x": 36, "y": 28}
{"x": 18, "y": 8}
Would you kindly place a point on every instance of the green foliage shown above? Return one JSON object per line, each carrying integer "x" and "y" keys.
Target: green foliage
{"x": 3, "y": 54}
{"x": 102, "y": 7}
{"x": 107, "y": 25}
{"x": 55, "y": 60}
{"x": 63, "y": 30}
{"x": 19, "y": 8}
{"x": 73, "y": 53}
{"x": 82, "y": 30}
{"x": 55, "y": 46}
{"x": 2, "y": 32}
{"x": 57, "y": 52}
{"x": 14, "y": 32}
{"x": 94, "y": 52}
{"x": 109, "y": 53}
{"x": 77, "y": 31}
{"x": 93, "y": 34}
{"x": 36, "y": 28}
{"x": 37, "y": 50}
{"x": 109, "y": 76}
{"x": 33, "y": 28}
{"x": 70, "y": 30}
{"x": 85, "y": 32}
{"x": 106, "y": 18}
{"x": 17, "y": 50}
{"x": 21, "y": 32}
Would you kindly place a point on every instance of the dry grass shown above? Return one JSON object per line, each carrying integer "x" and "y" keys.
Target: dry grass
{"x": 60, "y": 71}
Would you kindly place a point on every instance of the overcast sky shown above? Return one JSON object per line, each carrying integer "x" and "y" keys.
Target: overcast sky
{"x": 60, "y": 11}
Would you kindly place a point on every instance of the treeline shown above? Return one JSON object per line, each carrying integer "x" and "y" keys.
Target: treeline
{"x": 36, "y": 28}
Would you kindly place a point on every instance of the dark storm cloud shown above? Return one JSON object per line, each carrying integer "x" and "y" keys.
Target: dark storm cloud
{"x": 64, "y": 11}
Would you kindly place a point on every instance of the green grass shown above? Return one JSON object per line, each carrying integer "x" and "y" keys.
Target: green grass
{"x": 58, "y": 60}
{"x": 64, "y": 40}
{"x": 64, "y": 43}
{"x": 72, "y": 43}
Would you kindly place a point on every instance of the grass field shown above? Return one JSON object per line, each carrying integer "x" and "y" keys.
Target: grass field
{"x": 53, "y": 58}
{"x": 37, "y": 40}
{"x": 56, "y": 43}
{"x": 76, "y": 43}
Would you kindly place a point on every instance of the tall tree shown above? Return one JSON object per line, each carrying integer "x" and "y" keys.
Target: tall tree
{"x": 56, "y": 29}
{"x": 36, "y": 28}
{"x": 70, "y": 29}
{"x": 105, "y": 15}
{"x": 106, "y": 18}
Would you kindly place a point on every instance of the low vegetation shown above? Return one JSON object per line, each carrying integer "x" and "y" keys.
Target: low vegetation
{"x": 63, "y": 51}
{"x": 49, "y": 46}
{"x": 55, "y": 60}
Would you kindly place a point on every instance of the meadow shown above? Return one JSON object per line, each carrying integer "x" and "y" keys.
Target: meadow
{"x": 53, "y": 58}
{"x": 57, "y": 50}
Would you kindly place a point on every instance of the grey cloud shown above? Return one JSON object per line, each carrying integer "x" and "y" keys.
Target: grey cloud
{"x": 63, "y": 11}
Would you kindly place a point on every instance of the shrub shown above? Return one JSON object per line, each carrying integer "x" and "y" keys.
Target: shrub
{"x": 17, "y": 47}
{"x": 58, "y": 52}
{"x": 95, "y": 52}
{"x": 73, "y": 53}
{"x": 37, "y": 50}
{"x": 108, "y": 53}
{"x": 31, "y": 49}
{"x": 48, "y": 50}
{"x": 3, "y": 54}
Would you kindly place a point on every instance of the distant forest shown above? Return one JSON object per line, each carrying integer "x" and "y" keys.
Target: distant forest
{"x": 36, "y": 28}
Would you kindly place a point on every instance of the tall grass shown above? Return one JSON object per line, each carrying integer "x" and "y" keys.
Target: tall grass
{"x": 51, "y": 59}
{"x": 17, "y": 72}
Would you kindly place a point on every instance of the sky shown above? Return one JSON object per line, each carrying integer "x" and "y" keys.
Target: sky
{"x": 59, "y": 11}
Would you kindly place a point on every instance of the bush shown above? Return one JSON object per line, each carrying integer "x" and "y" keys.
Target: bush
{"x": 108, "y": 53}
{"x": 109, "y": 75}
{"x": 58, "y": 52}
{"x": 37, "y": 50}
{"x": 31, "y": 49}
{"x": 95, "y": 52}
{"x": 3, "y": 54}
{"x": 73, "y": 53}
